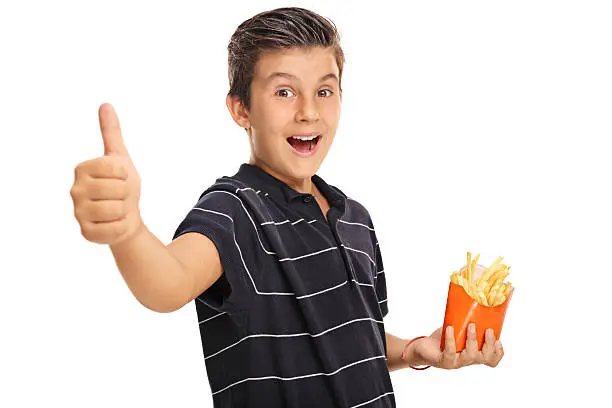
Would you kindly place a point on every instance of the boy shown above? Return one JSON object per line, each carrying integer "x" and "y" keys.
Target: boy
{"x": 285, "y": 269}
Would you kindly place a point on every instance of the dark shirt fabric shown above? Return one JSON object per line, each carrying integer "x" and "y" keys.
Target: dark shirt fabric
{"x": 296, "y": 319}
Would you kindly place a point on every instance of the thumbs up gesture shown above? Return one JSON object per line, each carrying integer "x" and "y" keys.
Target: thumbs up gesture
{"x": 106, "y": 190}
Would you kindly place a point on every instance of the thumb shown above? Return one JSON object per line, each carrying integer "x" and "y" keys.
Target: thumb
{"x": 111, "y": 131}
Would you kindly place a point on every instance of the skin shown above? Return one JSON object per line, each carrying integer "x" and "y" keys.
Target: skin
{"x": 308, "y": 98}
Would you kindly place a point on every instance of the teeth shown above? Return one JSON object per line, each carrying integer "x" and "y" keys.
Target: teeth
{"x": 304, "y": 137}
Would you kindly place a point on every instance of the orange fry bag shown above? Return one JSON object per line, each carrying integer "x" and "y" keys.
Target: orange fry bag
{"x": 479, "y": 295}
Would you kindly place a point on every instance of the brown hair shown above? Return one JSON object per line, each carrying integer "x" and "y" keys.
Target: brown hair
{"x": 282, "y": 28}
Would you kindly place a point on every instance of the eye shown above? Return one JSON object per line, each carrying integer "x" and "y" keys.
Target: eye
{"x": 323, "y": 90}
{"x": 282, "y": 92}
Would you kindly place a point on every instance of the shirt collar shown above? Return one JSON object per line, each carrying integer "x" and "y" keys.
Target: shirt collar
{"x": 258, "y": 179}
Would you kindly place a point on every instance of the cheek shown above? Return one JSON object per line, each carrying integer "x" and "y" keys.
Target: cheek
{"x": 332, "y": 113}
{"x": 276, "y": 123}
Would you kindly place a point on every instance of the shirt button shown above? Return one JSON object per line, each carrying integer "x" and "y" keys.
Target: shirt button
{"x": 307, "y": 199}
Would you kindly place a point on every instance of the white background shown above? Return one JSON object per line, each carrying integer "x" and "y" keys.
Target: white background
{"x": 466, "y": 126}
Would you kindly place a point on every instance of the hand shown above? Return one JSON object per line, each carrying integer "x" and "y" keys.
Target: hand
{"x": 106, "y": 190}
{"x": 427, "y": 350}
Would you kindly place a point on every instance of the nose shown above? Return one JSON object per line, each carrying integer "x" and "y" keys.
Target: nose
{"x": 307, "y": 110}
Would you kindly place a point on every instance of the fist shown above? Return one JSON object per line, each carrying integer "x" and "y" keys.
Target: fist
{"x": 106, "y": 190}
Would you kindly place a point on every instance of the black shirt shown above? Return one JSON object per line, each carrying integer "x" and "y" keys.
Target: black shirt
{"x": 296, "y": 319}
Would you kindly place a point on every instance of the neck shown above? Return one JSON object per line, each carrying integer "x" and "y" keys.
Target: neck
{"x": 302, "y": 185}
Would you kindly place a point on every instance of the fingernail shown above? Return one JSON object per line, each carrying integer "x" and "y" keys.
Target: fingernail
{"x": 472, "y": 328}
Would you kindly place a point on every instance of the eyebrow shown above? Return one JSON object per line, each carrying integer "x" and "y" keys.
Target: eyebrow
{"x": 275, "y": 75}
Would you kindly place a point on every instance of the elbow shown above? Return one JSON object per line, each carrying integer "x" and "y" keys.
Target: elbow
{"x": 162, "y": 308}
{"x": 161, "y": 304}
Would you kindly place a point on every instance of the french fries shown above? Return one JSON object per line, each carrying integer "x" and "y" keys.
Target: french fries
{"x": 488, "y": 289}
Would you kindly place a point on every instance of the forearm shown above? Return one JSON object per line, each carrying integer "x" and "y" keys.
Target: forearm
{"x": 395, "y": 348}
{"x": 155, "y": 277}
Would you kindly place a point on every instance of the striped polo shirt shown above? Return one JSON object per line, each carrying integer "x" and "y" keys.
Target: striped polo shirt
{"x": 296, "y": 319}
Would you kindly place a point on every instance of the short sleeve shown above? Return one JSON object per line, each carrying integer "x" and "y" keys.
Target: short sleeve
{"x": 380, "y": 282}
{"x": 220, "y": 216}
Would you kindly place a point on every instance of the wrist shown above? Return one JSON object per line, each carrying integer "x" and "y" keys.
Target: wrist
{"x": 410, "y": 355}
{"x": 138, "y": 228}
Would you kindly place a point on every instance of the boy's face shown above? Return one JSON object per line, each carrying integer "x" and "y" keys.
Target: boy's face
{"x": 293, "y": 91}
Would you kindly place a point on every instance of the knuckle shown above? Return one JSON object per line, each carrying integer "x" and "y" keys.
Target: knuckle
{"x": 78, "y": 171}
{"x": 119, "y": 210}
{"x": 80, "y": 213}
{"x": 118, "y": 190}
{"x": 112, "y": 189}
{"x": 120, "y": 228}
{"x": 492, "y": 363}
{"x": 86, "y": 168}
{"x": 100, "y": 167}
{"x": 123, "y": 190}
{"x": 105, "y": 165}
{"x": 107, "y": 211}
{"x": 116, "y": 167}
{"x": 97, "y": 190}
{"x": 103, "y": 190}
{"x": 93, "y": 212}
{"x": 94, "y": 190}
{"x": 448, "y": 359}
{"x": 88, "y": 231}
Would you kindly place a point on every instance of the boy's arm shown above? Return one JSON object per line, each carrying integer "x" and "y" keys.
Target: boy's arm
{"x": 395, "y": 348}
{"x": 106, "y": 194}
{"x": 165, "y": 278}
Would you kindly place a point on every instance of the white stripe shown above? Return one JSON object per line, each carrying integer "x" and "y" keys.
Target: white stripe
{"x": 246, "y": 188}
{"x": 307, "y": 255}
{"x": 273, "y": 253}
{"x": 210, "y": 318}
{"x": 282, "y": 260}
{"x": 357, "y": 250}
{"x": 378, "y": 273}
{"x": 201, "y": 301}
{"x": 372, "y": 400}
{"x": 299, "y": 377}
{"x": 363, "y": 284}
{"x": 356, "y": 223}
{"x": 262, "y": 246}
{"x": 275, "y": 223}
{"x": 323, "y": 291}
{"x": 248, "y": 215}
{"x": 285, "y": 222}
{"x": 242, "y": 258}
{"x": 382, "y": 301}
{"x": 291, "y": 335}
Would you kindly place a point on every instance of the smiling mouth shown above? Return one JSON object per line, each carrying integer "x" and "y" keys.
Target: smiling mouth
{"x": 303, "y": 146}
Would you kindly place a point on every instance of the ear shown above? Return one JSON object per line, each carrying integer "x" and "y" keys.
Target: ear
{"x": 238, "y": 111}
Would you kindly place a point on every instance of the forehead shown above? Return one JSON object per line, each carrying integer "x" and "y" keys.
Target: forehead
{"x": 303, "y": 63}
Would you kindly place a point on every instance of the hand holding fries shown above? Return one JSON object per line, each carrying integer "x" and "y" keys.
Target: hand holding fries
{"x": 476, "y": 307}
{"x": 426, "y": 351}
